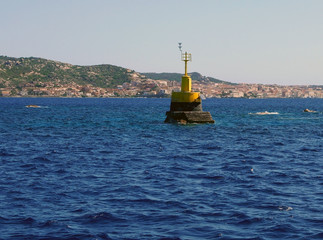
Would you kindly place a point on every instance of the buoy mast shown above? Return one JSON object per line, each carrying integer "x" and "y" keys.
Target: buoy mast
{"x": 186, "y": 80}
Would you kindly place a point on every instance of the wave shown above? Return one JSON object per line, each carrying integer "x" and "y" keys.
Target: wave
{"x": 100, "y": 217}
{"x": 315, "y": 236}
{"x": 41, "y": 159}
{"x": 60, "y": 236}
{"x": 5, "y": 153}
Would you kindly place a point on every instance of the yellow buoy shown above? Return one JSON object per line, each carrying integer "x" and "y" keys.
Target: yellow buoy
{"x": 186, "y": 106}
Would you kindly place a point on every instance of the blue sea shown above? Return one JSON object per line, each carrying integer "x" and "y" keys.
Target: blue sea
{"x": 112, "y": 169}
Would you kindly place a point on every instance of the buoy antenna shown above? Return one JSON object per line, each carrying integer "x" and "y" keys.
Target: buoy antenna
{"x": 185, "y": 57}
{"x": 180, "y": 46}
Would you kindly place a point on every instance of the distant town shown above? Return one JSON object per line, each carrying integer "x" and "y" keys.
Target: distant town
{"x": 141, "y": 86}
{"x": 37, "y": 77}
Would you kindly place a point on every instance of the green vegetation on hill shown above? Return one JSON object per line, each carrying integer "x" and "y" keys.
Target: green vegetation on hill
{"x": 178, "y": 77}
{"x": 21, "y": 71}
{"x": 164, "y": 76}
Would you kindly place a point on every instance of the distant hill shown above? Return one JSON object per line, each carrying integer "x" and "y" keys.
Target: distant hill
{"x": 38, "y": 77}
{"x": 19, "y": 71}
{"x": 36, "y": 72}
{"x": 178, "y": 76}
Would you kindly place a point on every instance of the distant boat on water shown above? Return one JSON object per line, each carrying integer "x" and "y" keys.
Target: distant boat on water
{"x": 33, "y": 106}
{"x": 307, "y": 110}
{"x": 265, "y": 113}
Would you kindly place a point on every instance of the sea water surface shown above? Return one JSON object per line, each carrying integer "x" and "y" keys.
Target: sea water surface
{"x": 111, "y": 169}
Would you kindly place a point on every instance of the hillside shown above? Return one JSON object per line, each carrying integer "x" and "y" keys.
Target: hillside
{"x": 178, "y": 76}
{"x": 37, "y": 77}
{"x": 21, "y": 71}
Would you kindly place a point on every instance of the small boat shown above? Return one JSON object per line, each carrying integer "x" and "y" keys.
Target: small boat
{"x": 33, "y": 106}
{"x": 307, "y": 110}
{"x": 267, "y": 113}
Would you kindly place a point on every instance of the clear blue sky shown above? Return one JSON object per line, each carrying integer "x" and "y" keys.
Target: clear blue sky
{"x": 250, "y": 41}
